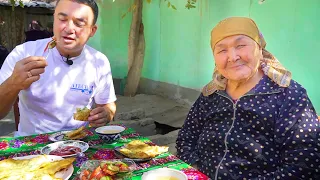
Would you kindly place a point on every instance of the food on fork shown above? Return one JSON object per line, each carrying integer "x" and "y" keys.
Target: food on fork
{"x": 82, "y": 114}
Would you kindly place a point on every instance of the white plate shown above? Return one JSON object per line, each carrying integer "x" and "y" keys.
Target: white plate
{"x": 53, "y": 146}
{"x": 64, "y": 174}
{"x": 60, "y": 136}
{"x": 102, "y": 129}
{"x": 164, "y": 172}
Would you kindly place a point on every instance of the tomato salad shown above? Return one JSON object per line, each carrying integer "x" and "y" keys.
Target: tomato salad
{"x": 107, "y": 170}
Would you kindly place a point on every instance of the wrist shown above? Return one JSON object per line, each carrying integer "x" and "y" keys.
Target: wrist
{"x": 10, "y": 84}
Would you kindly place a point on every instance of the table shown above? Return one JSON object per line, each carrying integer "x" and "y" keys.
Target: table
{"x": 31, "y": 145}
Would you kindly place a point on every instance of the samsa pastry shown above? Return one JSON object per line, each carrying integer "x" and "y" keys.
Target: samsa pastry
{"x": 77, "y": 134}
{"x": 82, "y": 114}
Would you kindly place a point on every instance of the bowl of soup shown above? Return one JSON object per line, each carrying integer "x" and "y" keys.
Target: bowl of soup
{"x": 164, "y": 174}
{"x": 109, "y": 134}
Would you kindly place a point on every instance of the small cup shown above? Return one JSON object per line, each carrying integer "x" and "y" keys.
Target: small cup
{"x": 109, "y": 134}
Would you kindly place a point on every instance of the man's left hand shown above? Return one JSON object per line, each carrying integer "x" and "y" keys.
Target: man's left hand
{"x": 101, "y": 115}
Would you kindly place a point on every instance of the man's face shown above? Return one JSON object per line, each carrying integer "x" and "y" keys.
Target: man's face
{"x": 237, "y": 57}
{"x": 73, "y": 26}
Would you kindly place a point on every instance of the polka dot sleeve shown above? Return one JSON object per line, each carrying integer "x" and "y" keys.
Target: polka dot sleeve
{"x": 188, "y": 135}
{"x": 297, "y": 138}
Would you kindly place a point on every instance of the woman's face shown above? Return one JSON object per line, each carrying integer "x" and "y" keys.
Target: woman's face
{"x": 237, "y": 57}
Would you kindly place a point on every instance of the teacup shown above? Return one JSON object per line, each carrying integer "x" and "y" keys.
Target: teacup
{"x": 109, "y": 134}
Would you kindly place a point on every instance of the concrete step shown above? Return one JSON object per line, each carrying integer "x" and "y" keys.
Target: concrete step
{"x": 7, "y": 125}
{"x": 131, "y": 115}
{"x": 165, "y": 139}
{"x": 174, "y": 117}
{"x": 145, "y": 127}
{"x": 151, "y": 104}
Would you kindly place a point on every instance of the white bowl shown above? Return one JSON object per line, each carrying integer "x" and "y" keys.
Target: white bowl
{"x": 111, "y": 129}
{"x": 164, "y": 172}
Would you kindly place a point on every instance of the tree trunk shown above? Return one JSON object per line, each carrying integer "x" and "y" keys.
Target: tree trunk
{"x": 134, "y": 74}
{"x": 134, "y": 31}
{"x": 136, "y": 48}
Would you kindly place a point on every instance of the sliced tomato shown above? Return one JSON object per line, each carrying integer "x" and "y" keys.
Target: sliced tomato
{"x": 95, "y": 173}
{"x": 102, "y": 174}
{"x": 84, "y": 178}
{"x": 86, "y": 173}
{"x": 124, "y": 168}
{"x": 108, "y": 172}
{"x": 119, "y": 163}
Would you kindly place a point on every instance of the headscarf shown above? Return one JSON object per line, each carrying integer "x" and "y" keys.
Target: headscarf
{"x": 269, "y": 64}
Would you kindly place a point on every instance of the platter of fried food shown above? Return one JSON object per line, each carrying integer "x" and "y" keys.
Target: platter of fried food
{"x": 138, "y": 150}
{"x": 76, "y": 134}
{"x": 36, "y": 167}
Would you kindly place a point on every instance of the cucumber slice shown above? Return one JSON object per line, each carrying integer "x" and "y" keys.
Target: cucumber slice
{"x": 113, "y": 168}
{"x": 106, "y": 178}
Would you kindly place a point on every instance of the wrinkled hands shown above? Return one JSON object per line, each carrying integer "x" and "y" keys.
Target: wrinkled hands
{"x": 27, "y": 71}
{"x": 100, "y": 116}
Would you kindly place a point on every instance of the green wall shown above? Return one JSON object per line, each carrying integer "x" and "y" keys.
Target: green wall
{"x": 177, "y": 42}
{"x": 111, "y": 37}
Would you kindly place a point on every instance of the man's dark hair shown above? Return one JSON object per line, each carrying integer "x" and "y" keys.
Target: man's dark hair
{"x": 92, "y": 4}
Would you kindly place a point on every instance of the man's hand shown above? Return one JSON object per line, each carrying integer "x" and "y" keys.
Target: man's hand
{"x": 27, "y": 71}
{"x": 102, "y": 114}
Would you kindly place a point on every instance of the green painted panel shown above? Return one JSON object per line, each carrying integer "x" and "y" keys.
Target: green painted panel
{"x": 291, "y": 31}
{"x": 112, "y": 35}
{"x": 152, "y": 33}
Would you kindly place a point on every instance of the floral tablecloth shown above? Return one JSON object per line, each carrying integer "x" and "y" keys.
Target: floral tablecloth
{"x": 31, "y": 145}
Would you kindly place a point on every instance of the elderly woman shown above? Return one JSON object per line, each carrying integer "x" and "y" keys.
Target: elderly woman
{"x": 252, "y": 121}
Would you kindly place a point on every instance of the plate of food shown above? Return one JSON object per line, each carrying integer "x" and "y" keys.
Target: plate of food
{"x": 76, "y": 134}
{"x": 37, "y": 167}
{"x": 65, "y": 148}
{"x": 139, "y": 151}
{"x": 118, "y": 169}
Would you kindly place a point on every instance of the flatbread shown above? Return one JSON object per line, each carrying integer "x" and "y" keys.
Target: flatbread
{"x": 140, "y": 150}
{"x": 39, "y": 167}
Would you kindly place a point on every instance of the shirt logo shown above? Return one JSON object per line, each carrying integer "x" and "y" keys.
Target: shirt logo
{"x": 85, "y": 89}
